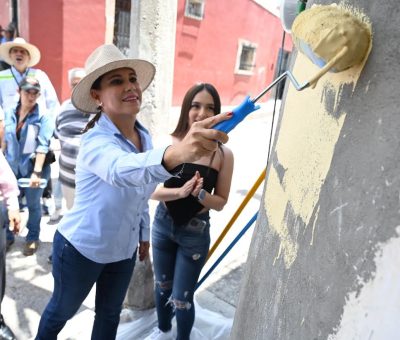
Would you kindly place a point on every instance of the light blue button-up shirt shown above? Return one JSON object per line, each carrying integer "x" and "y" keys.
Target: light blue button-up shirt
{"x": 114, "y": 182}
{"x": 34, "y": 137}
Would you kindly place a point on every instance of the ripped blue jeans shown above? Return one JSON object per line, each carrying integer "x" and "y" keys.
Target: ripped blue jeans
{"x": 179, "y": 254}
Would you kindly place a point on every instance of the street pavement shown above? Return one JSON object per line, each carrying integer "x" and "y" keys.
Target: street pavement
{"x": 29, "y": 279}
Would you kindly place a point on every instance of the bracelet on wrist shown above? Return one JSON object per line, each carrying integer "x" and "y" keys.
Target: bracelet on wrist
{"x": 37, "y": 173}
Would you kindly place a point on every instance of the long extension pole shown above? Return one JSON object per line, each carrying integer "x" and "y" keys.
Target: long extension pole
{"x": 237, "y": 213}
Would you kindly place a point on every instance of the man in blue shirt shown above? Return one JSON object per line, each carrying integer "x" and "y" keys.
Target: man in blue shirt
{"x": 22, "y": 56}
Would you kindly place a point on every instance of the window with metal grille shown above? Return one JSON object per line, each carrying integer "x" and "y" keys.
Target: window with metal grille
{"x": 246, "y": 56}
{"x": 194, "y": 9}
{"x": 122, "y": 25}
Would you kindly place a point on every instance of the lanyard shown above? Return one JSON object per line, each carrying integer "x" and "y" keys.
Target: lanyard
{"x": 21, "y": 123}
{"x": 15, "y": 78}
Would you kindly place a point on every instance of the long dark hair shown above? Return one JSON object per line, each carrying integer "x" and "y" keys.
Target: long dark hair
{"x": 183, "y": 123}
{"x": 90, "y": 124}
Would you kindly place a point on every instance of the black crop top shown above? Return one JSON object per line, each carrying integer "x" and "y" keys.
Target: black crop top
{"x": 183, "y": 209}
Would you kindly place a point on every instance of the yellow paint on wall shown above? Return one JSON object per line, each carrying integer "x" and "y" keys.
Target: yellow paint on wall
{"x": 277, "y": 203}
{"x": 304, "y": 148}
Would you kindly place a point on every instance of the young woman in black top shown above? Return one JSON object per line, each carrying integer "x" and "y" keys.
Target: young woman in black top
{"x": 180, "y": 234}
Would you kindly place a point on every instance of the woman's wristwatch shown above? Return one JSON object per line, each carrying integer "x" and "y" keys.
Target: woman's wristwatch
{"x": 201, "y": 195}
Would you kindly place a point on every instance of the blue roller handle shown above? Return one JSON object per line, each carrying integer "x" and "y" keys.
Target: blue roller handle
{"x": 248, "y": 105}
{"x": 239, "y": 113}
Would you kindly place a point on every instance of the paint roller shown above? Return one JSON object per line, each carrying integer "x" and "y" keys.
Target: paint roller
{"x": 329, "y": 35}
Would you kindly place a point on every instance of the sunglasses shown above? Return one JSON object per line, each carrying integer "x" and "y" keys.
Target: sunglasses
{"x": 32, "y": 92}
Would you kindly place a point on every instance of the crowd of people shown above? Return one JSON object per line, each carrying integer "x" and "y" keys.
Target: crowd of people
{"x": 108, "y": 172}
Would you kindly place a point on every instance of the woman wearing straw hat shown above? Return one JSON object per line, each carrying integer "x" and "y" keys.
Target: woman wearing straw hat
{"x": 117, "y": 170}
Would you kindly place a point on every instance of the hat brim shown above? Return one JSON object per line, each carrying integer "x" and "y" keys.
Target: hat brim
{"x": 34, "y": 52}
{"x": 28, "y": 87}
{"x": 81, "y": 97}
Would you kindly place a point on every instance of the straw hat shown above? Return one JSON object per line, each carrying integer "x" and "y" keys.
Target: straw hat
{"x": 104, "y": 59}
{"x": 34, "y": 52}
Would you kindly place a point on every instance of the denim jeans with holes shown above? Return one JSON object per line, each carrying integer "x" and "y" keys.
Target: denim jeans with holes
{"x": 179, "y": 254}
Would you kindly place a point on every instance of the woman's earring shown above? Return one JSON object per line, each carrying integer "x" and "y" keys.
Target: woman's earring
{"x": 100, "y": 107}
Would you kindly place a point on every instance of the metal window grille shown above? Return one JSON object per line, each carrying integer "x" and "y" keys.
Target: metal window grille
{"x": 195, "y": 9}
{"x": 122, "y": 25}
{"x": 247, "y": 58}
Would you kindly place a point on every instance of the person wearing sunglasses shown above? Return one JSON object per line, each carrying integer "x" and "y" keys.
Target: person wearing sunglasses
{"x": 27, "y": 138}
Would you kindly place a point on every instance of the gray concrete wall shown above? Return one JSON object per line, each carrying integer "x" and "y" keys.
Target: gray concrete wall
{"x": 153, "y": 26}
{"x": 325, "y": 255}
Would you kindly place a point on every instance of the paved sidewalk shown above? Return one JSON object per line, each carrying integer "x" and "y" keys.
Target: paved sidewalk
{"x": 29, "y": 280}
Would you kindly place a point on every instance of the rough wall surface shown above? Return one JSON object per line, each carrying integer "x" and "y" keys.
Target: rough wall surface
{"x": 153, "y": 25}
{"x": 324, "y": 258}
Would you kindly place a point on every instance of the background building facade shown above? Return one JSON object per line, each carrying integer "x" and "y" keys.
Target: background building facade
{"x": 234, "y": 46}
